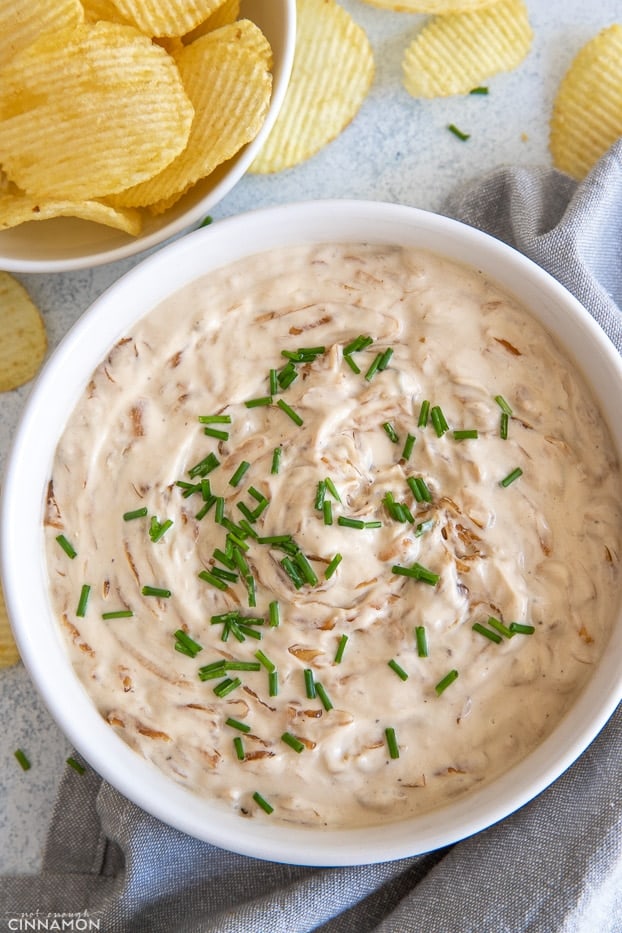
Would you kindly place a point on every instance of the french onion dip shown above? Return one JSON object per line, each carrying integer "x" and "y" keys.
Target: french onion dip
{"x": 333, "y": 534}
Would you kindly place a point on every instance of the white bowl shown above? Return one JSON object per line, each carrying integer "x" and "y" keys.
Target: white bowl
{"x": 55, "y": 394}
{"x": 68, "y": 243}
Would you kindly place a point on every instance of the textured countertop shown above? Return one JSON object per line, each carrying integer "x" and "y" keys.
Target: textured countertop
{"x": 397, "y": 149}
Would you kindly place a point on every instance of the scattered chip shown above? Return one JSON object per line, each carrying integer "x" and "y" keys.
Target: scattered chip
{"x": 96, "y": 10}
{"x": 587, "y": 111}
{"x": 23, "y": 340}
{"x": 171, "y": 18}
{"x": 226, "y": 13}
{"x": 230, "y": 87}
{"x": 18, "y": 208}
{"x": 23, "y": 21}
{"x": 440, "y": 7}
{"x": 321, "y": 99}
{"x": 455, "y": 53}
{"x": 9, "y": 654}
{"x": 105, "y": 105}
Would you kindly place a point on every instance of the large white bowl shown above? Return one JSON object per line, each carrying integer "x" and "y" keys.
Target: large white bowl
{"x": 29, "y": 467}
{"x": 67, "y": 243}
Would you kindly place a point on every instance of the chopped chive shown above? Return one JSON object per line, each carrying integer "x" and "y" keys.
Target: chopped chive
{"x": 359, "y": 343}
{"x": 324, "y": 698}
{"x": 204, "y": 466}
{"x": 236, "y": 724}
{"x": 219, "y": 513}
{"x": 188, "y": 490}
{"x": 239, "y": 748}
{"x": 384, "y": 359}
{"x": 503, "y": 405}
{"x": 391, "y": 432}
{"x": 214, "y": 419}
{"x": 287, "y": 375}
{"x": 417, "y": 572}
{"x": 511, "y": 477}
{"x": 419, "y": 489}
{"x": 158, "y": 529}
{"x": 248, "y": 529}
{"x": 346, "y": 522}
{"x": 68, "y": 548}
{"x": 85, "y": 592}
{"x": 421, "y": 639}
{"x": 274, "y": 613}
{"x": 246, "y": 512}
{"x": 73, "y": 763}
{"x": 504, "y": 422}
{"x": 424, "y": 414}
{"x": 438, "y": 420}
{"x": 242, "y": 666}
{"x": 465, "y": 435}
{"x": 392, "y": 745}
{"x": 292, "y": 572}
{"x": 479, "y": 90}
{"x": 227, "y": 686}
{"x": 263, "y": 400}
{"x": 251, "y": 593}
{"x": 499, "y": 627}
{"x": 517, "y": 628}
{"x": 223, "y": 558}
{"x": 118, "y": 614}
{"x": 446, "y": 681}
{"x": 239, "y": 473}
{"x": 156, "y": 591}
{"x": 332, "y": 489}
{"x": 306, "y": 569}
{"x": 273, "y": 381}
{"x": 340, "y": 649}
{"x": 401, "y": 673}
{"x": 408, "y": 446}
{"x": 265, "y": 660}
{"x": 293, "y": 742}
{"x": 282, "y": 404}
{"x": 422, "y": 527}
{"x": 273, "y": 683}
{"x": 487, "y": 632}
{"x": 459, "y": 133}
{"x": 332, "y": 566}
{"x": 22, "y": 759}
{"x": 327, "y": 510}
{"x": 268, "y": 808}
{"x": 375, "y": 524}
{"x": 353, "y": 366}
{"x": 206, "y": 221}
{"x": 211, "y": 671}
{"x": 135, "y": 513}
{"x": 211, "y": 578}
{"x": 276, "y": 459}
{"x": 258, "y": 496}
{"x": 371, "y": 372}
{"x": 309, "y": 683}
{"x": 275, "y": 539}
{"x": 215, "y": 432}
{"x": 185, "y": 644}
{"x": 320, "y": 494}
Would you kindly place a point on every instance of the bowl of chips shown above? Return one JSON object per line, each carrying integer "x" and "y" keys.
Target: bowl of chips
{"x": 123, "y": 124}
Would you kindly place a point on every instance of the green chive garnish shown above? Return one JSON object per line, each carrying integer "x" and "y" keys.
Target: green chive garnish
{"x": 239, "y": 473}
{"x": 424, "y": 414}
{"x": 384, "y": 359}
{"x": 156, "y": 591}
{"x": 341, "y": 648}
{"x": 274, "y": 613}
{"x": 215, "y": 432}
{"x": 282, "y": 404}
{"x": 346, "y": 522}
{"x": 503, "y": 405}
{"x": 75, "y": 765}
{"x": 239, "y": 748}
{"x": 422, "y": 527}
{"x": 332, "y": 489}
{"x": 209, "y": 578}
{"x": 504, "y": 423}
{"x": 320, "y": 494}
{"x": 324, "y": 698}
{"x": 226, "y": 686}
{"x": 446, "y": 681}
{"x": 273, "y": 683}
{"x": 206, "y": 221}
{"x": 479, "y": 90}
{"x": 332, "y": 566}
{"x": 242, "y": 666}
{"x": 276, "y": 459}
{"x": 465, "y": 435}
{"x": 293, "y": 742}
{"x": 359, "y": 343}
{"x": 517, "y": 628}
{"x": 417, "y": 572}
{"x": 391, "y": 432}
{"x": 82, "y": 602}
{"x": 268, "y": 808}
{"x": 309, "y": 683}
{"x": 459, "y": 133}
{"x": 215, "y": 419}
{"x": 118, "y": 614}
{"x": 68, "y": 548}
{"x": 487, "y": 632}
{"x": 135, "y": 513}
{"x": 511, "y": 477}
{"x": 392, "y": 745}
{"x": 306, "y": 569}
{"x": 158, "y": 529}
{"x": 422, "y": 641}
{"x": 353, "y": 366}
{"x": 371, "y": 372}
{"x": 401, "y": 673}
{"x": 327, "y": 511}
{"x": 408, "y": 446}
{"x": 204, "y": 466}
{"x": 185, "y": 644}
{"x": 22, "y": 759}
{"x": 267, "y": 663}
{"x": 236, "y": 724}
{"x": 438, "y": 420}
{"x": 263, "y": 400}
{"x": 419, "y": 489}
{"x": 499, "y": 627}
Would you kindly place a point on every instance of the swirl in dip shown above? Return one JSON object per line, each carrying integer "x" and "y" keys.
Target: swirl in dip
{"x": 398, "y": 604}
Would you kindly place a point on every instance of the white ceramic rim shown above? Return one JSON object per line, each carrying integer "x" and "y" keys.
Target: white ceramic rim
{"x": 182, "y": 217}
{"x": 21, "y": 541}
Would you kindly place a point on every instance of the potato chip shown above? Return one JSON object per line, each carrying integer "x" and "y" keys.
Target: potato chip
{"x": 587, "y": 111}
{"x": 102, "y": 103}
{"x": 440, "y": 7}
{"x": 9, "y": 654}
{"x": 24, "y": 21}
{"x": 169, "y": 18}
{"x": 453, "y": 54}
{"x": 23, "y": 340}
{"x": 332, "y": 72}
{"x": 226, "y": 13}
{"x": 18, "y": 208}
{"x": 96, "y": 10}
{"x": 229, "y": 86}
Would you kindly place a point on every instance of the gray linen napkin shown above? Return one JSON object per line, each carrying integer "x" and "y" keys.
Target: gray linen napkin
{"x": 555, "y": 866}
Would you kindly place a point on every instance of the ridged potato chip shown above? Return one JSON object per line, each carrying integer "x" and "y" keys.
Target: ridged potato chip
{"x": 453, "y": 54}
{"x": 96, "y": 10}
{"x": 587, "y": 111}
{"x": 23, "y": 21}
{"x": 23, "y": 340}
{"x": 332, "y": 72}
{"x": 230, "y": 86}
{"x": 9, "y": 654}
{"x": 90, "y": 111}
{"x": 226, "y": 13}
{"x": 18, "y": 208}
{"x": 440, "y": 7}
{"x": 166, "y": 17}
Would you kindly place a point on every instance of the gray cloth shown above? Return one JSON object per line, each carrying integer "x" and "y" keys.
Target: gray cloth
{"x": 555, "y": 866}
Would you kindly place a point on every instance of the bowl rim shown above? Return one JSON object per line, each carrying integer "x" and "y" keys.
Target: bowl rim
{"x": 21, "y": 531}
{"x": 186, "y": 219}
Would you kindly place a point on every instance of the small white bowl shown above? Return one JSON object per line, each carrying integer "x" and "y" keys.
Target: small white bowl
{"x": 54, "y": 396}
{"x": 68, "y": 243}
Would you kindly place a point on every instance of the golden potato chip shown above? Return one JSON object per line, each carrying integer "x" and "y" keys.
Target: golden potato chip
{"x": 168, "y": 18}
{"x": 587, "y": 111}
{"x": 96, "y": 10}
{"x": 332, "y": 72}
{"x": 245, "y": 33}
{"x": 24, "y": 21}
{"x": 453, "y": 54}
{"x": 440, "y": 7}
{"x": 226, "y": 13}
{"x": 23, "y": 340}
{"x": 9, "y": 654}
{"x": 230, "y": 89}
{"x": 90, "y": 111}
{"x": 18, "y": 208}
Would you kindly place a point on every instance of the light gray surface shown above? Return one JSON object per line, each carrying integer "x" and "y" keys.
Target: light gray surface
{"x": 397, "y": 149}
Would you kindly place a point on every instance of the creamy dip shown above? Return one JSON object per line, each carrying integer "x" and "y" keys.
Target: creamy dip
{"x": 518, "y": 535}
